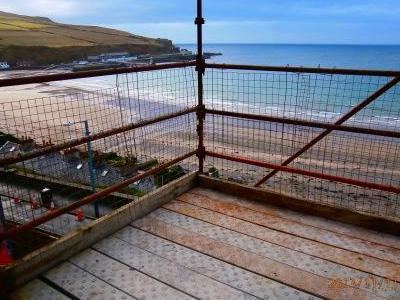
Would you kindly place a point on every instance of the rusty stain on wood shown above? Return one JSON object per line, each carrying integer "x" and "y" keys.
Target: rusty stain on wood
{"x": 330, "y": 253}
{"x": 300, "y": 230}
{"x": 315, "y": 221}
{"x": 294, "y": 277}
{"x": 300, "y": 205}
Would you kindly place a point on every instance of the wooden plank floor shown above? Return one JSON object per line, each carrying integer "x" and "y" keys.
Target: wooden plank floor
{"x": 209, "y": 245}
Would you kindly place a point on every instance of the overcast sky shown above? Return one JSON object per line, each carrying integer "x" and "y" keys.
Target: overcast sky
{"x": 246, "y": 21}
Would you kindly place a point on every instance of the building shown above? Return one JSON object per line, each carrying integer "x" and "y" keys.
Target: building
{"x": 4, "y": 65}
{"x": 110, "y": 57}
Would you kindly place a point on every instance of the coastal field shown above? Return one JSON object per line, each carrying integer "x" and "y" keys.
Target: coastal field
{"x": 39, "y": 41}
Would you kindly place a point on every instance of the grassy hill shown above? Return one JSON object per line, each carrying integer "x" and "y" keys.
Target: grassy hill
{"x": 41, "y": 41}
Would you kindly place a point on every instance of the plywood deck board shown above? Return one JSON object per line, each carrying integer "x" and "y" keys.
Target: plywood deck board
{"x": 277, "y": 253}
{"x": 168, "y": 272}
{"x": 84, "y": 285}
{"x": 37, "y": 290}
{"x": 125, "y": 278}
{"x": 294, "y": 277}
{"x": 320, "y": 222}
{"x": 299, "y": 229}
{"x": 233, "y": 276}
{"x": 337, "y": 255}
{"x": 208, "y": 245}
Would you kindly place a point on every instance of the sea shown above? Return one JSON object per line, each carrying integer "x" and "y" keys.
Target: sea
{"x": 335, "y": 56}
{"x": 307, "y": 96}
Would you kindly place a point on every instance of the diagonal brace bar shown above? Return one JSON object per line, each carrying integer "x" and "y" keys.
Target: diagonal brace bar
{"x": 342, "y": 119}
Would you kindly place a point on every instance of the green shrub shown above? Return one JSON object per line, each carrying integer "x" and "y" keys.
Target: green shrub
{"x": 213, "y": 172}
{"x": 168, "y": 175}
{"x": 132, "y": 192}
{"x": 148, "y": 164}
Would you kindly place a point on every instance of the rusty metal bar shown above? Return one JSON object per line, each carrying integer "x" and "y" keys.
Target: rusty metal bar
{"x": 12, "y": 160}
{"x": 314, "y": 124}
{"x": 87, "y": 74}
{"x": 340, "y": 121}
{"x": 200, "y": 68}
{"x": 364, "y": 184}
{"x": 382, "y": 73}
{"x": 91, "y": 198}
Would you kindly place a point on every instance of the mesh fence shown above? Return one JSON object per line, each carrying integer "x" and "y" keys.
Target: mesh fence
{"x": 310, "y": 97}
{"x": 33, "y": 124}
{"x": 67, "y": 114}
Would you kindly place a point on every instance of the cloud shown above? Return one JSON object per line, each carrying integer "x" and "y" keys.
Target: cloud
{"x": 47, "y": 8}
{"x": 300, "y": 21}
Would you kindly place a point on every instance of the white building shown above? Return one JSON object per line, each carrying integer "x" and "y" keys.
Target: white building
{"x": 4, "y": 65}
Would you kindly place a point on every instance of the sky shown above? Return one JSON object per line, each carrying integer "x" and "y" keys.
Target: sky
{"x": 232, "y": 21}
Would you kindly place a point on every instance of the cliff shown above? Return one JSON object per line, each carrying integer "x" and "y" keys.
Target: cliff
{"x": 41, "y": 41}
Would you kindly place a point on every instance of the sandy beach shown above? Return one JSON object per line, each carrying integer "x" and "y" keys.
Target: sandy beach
{"x": 41, "y": 111}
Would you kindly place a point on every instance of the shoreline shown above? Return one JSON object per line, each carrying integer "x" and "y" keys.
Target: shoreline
{"x": 42, "y": 109}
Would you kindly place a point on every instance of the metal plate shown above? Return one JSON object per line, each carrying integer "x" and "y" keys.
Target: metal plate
{"x": 125, "y": 278}
{"x": 278, "y": 253}
{"x": 170, "y": 273}
{"x": 327, "y": 252}
{"x": 306, "y": 231}
{"x": 233, "y": 276}
{"x": 84, "y": 285}
{"x": 320, "y": 222}
{"x": 37, "y": 290}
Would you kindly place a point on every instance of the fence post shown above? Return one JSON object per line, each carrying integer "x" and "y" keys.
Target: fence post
{"x": 2, "y": 218}
{"x": 200, "y": 68}
{"x": 92, "y": 174}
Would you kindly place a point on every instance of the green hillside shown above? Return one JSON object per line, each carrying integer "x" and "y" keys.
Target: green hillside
{"x": 39, "y": 40}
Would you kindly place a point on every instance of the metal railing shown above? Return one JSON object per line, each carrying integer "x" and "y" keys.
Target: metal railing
{"x": 325, "y": 135}
{"x": 140, "y": 139}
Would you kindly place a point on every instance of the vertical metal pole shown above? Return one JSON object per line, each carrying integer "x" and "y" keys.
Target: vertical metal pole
{"x": 3, "y": 228}
{"x": 92, "y": 174}
{"x": 200, "y": 68}
{"x": 2, "y": 218}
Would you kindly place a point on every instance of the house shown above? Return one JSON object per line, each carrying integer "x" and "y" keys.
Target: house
{"x": 9, "y": 149}
{"x": 114, "y": 57}
{"x": 24, "y": 64}
{"x": 93, "y": 58}
{"x": 4, "y": 65}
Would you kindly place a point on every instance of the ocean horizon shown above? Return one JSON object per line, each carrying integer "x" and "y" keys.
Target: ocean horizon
{"x": 385, "y": 57}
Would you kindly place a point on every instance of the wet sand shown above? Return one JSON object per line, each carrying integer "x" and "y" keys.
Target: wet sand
{"x": 41, "y": 111}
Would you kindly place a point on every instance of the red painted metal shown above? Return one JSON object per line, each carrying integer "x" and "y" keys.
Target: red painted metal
{"x": 314, "y": 124}
{"x": 371, "y": 98}
{"x": 200, "y": 68}
{"x": 5, "y": 258}
{"x": 381, "y": 73}
{"x": 90, "y": 199}
{"x": 244, "y": 160}
{"x": 88, "y": 74}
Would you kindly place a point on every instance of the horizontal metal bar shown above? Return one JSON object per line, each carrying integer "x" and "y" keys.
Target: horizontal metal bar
{"x": 314, "y": 124}
{"x": 87, "y": 74}
{"x": 364, "y": 184}
{"x": 12, "y": 160}
{"x": 384, "y": 73}
{"x": 91, "y": 198}
{"x": 344, "y": 118}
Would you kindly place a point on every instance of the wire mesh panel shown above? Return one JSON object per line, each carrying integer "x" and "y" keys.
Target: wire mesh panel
{"x": 34, "y": 187}
{"x": 310, "y": 97}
